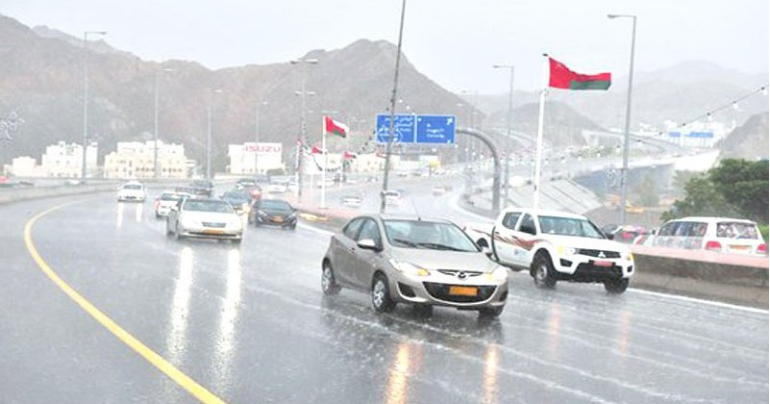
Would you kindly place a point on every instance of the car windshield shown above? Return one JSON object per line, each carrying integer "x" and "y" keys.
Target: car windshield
{"x": 132, "y": 186}
{"x": 737, "y": 230}
{"x": 202, "y": 184}
{"x": 233, "y": 196}
{"x": 276, "y": 206}
{"x": 427, "y": 235}
{"x": 569, "y": 226}
{"x": 208, "y": 206}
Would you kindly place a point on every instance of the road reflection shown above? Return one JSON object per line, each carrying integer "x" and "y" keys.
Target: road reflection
{"x": 224, "y": 345}
{"x": 139, "y": 212}
{"x": 491, "y": 364}
{"x": 176, "y": 337}
{"x": 119, "y": 211}
{"x": 624, "y": 332}
{"x": 406, "y": 363}
{"x": 554, "y": 331}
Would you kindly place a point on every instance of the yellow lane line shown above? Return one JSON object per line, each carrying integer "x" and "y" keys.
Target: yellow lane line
{"x": 200, "y": 392}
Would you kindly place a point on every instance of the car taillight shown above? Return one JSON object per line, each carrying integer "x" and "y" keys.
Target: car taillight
{"x": 713, "y": 246}
{"x": 762, "y": 249}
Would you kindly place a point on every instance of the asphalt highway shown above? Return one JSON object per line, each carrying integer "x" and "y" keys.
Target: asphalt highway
{"x": 149, "y": 319}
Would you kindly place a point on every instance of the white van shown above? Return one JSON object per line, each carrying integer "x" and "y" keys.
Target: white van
{"x": 720, "y": 234}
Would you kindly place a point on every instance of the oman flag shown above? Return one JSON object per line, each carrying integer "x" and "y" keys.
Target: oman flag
{"x": 335, "y": 127}
{"x": 562, "y": 77}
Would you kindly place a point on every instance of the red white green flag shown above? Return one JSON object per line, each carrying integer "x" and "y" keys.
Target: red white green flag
{"x": 562, "y": 77}
{"x": 335, "y": 127}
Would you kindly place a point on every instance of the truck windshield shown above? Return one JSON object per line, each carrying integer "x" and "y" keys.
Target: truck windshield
{"x": 569, "y": 226}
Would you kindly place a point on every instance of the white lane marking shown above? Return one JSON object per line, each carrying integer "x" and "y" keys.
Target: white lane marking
{"x": 701, "y": 301}
{"x": 315, "y": 229}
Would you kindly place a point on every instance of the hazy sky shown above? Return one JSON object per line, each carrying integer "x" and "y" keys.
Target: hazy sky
{"x": 455, "y": 43}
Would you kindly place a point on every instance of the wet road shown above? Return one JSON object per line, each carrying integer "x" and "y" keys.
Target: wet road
{"x": 250, "y": 325}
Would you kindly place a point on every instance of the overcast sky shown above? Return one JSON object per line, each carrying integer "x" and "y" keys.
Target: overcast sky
{"x": 455, "y": 43}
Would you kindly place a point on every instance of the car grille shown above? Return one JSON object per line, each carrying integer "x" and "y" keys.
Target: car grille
{"x": 440, "y": 291}
{"x": 595, "y": 253}
{"x": 213, "y": 225}
{"x": 589, "y": 272}
{"x": 455, "y": 272}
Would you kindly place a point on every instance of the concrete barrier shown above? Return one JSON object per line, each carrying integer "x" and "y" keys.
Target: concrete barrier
{"x": 728, "y": 278}
{"x": 18, "y": 194}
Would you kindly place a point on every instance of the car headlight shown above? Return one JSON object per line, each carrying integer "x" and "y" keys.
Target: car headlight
{"x": 261, "y": 213}
{"x": 630, "y": 256}
{"x": 408, "y": 268}
{"x": 562, "y": 250}
{"x": 186, "y": 222}
{"x": 500, "y": 274}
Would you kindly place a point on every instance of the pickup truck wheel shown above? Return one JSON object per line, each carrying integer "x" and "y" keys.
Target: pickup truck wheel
{"x": 616, "y": 286}
{"x": 542, "y": 272}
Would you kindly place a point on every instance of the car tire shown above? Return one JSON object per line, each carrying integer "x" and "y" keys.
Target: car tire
{"x": 237, "y": 241}
{"x": 177, "y": 234}
{"x": 491, "y": 312}
{"x": 381, "y": 300}
{"x": 542, "y": 272}
{"x": 616, "y": 286}
{"x": 168, "y": 229}
{"x": 328, "y": 283}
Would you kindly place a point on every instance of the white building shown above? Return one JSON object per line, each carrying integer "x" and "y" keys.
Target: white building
{"x": 25, "y": 166}
{"x": 135, "y": 160}
{"x": 62, "y": 160}
{"x": 253, "y": 158}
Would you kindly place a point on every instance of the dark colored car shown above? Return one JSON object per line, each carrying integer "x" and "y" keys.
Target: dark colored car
{"x": 202, "y": 188}
{"x": 239, "y": 200}
{"x": 273, "y": 212}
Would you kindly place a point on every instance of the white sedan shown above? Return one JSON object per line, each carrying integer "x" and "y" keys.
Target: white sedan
{"x": 204, "y": 218}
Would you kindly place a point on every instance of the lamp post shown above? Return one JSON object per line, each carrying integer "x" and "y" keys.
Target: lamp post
{"x": 208, "y": 133}
{"x": 85, "y": 97}
{"x": 303, "y": 93}
{"x": 256, "y": 135}
{"x": 506, "y": 182}
{"x": 155, "y": 147}
{"x": 626, "y": 132}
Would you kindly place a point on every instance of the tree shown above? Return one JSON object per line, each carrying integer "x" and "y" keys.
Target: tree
{"x": 647, "y": 192}
{"x": 734, "y": 188}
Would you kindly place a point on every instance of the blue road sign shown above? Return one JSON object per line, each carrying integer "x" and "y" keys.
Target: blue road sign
{"x": 419, "y": 129}
{"x": 403, "y": 129}
{"x": 436, "y": 129}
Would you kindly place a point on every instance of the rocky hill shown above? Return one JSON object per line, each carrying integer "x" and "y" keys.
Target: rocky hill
{"x": 41, "y": 79}
{"x": 749, "y": 141}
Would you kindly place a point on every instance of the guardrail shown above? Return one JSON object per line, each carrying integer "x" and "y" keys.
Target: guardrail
{"x": 730, "y": 278}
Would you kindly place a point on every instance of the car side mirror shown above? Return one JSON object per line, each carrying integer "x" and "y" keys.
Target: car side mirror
{"x": 368, "y": 244}
{"x": 609, "y": 236}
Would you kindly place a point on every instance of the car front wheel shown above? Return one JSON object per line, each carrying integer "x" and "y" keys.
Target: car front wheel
{"x": 542, "y": 272}
{"x": 616, "y": 286}
{"x": 381, "y": 300}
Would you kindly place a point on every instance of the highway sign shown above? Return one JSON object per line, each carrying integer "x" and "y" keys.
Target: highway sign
{"x": 417, "y": 129}
{"x": 438, "y": 129}
{"x": 403, "y": 130}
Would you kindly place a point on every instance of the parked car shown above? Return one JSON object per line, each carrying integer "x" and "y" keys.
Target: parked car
{"x": 413, "y": 260}
{"x": 132, "y": 191}
{"x": 556, "y": 246}
{"x": 720, "y": 234}
{"x": 392, "y": 197}
{"x": 351, "y": 201}
{"x": 277, "y": 187}
{"x": 274, "y": 212}
{"x": 204, "y": 218}
{"x": 627, "y": 234}
{"x": 166, "y": 201}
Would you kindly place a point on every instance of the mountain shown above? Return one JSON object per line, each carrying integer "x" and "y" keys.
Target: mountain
{"x": 749, "y": 141}
{"x": 41, "y": 79}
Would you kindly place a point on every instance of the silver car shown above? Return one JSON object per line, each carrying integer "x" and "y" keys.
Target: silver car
{"x": 206, "y": 218}
{"x": 413, "y": 260}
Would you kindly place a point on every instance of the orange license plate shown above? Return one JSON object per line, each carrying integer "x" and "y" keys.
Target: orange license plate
{"x": 739, "y": 247}
{"x": 213, "y": 231}
{"x": 603, "y": 263}
{"x": 463, "y": 291}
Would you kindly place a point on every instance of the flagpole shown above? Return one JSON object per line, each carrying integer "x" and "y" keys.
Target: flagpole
{"x": 326, "y": 163}
{"x": 540, "y": 121}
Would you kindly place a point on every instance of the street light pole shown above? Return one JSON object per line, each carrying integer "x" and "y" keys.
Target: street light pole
{"x": 85, "y": 98}
{"x": 155, "y": 147}
{"x": 626, "y": 132}
{"x": 256, "y": 136}
{"x": 208, "y": 134}
{"x": 302, "y": 120}
{"x": 506, "y": 182}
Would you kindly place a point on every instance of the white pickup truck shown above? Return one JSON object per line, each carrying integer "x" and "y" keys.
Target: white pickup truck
{"x": 555, "y": 246}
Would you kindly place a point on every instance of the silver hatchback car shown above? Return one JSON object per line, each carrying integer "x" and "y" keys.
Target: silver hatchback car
{"x": 413, "y": 260}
